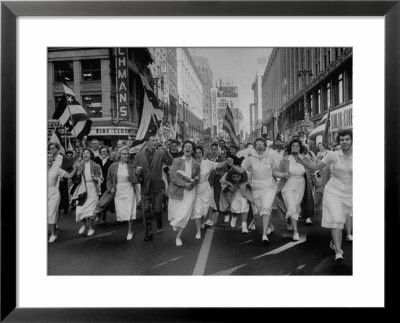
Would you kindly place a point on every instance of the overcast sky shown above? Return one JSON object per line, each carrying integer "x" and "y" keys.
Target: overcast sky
{"x": 235, "y": 64}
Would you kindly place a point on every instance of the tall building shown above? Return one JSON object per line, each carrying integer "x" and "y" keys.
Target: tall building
{"x": 190, "y": 95}
{"x": 203, "y": 67}
{"x": 300, "y": 85}
{"x": 257, "y": 112}
{"x": 106, "y": 81}
{"x": 164, "y": 71}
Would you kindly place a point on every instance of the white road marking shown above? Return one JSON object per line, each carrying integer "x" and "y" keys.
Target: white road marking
{"x": 203, "y": 254}
{"x": 245, "y": 242}
{"x": 229, "y": 271}
{"x": 283, "y": 248}
{"x": 300, "y": 267}
{"x": 166, "y": 262}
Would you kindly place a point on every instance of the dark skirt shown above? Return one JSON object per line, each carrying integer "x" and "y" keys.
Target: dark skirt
{"x": 64, "y": 201}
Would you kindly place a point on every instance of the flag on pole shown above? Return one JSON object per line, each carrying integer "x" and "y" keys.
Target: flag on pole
{"x": 70, "y": 145}
{"x": 56, "y": 139}
{"x": 148, "y": 123}
{"x": 72, "y": 115}
{"x": 158, "y": 110}
{"x": 322, "y": 128}
{"x": 228, "y": 126}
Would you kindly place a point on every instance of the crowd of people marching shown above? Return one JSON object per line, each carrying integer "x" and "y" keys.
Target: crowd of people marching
{"x": 203, "y": 183}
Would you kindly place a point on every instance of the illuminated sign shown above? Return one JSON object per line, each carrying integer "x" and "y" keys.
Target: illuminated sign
{"x": 122, "y": 83}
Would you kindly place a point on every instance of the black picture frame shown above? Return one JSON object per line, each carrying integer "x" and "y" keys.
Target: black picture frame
{"x": 10, "y": 10}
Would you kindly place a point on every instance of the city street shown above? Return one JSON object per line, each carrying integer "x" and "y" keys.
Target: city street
{"x": 221, "y": 251}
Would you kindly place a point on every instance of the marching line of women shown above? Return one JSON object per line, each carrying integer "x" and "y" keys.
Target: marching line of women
{"x": 199, "y": 183}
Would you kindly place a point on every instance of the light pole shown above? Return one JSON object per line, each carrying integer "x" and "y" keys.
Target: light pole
{"x": 303, "y": 74}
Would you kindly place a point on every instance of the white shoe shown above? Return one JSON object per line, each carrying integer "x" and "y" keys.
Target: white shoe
{"x": 339, "y": 257}
{"x": 264, "y": 239}
{"x": 82, "y": 229}
{"x": 244, "y": 227}
{"x": 226, "y": 219}
{"x": 253, "y": 226}
{"x": 209, "y": 223}
{"x": 332, "y": 246}
{"x": 96, "y": 219}
{"x": 202, "y": 226}
{"x": 289, "y": 227}
{"x": 233, "y": 221}
{"x": 90, "y": 233}
{"x": 198, "y": 236}
{"x": 129, "y": 236}
{"x": 349, "y": 238}
{"x": 308, "y": 221}
{"x": 178, "y": 242}
{"x": 175, "y": 228}
{"x": 296, "y": 236}
{"x": 52, "y": 239}
{"x": 270, "y": 229}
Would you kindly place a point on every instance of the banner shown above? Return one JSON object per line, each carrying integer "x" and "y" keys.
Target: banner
{"x": 121, "y": 61}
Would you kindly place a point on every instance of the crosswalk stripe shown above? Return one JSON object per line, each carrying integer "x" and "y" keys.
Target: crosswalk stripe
{"x": 203, "y": 255}
{"x": 282, "y": 248}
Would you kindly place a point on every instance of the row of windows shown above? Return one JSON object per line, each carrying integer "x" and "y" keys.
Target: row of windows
{"x": 90, "y": 71}
{"x": 91, "y": 103}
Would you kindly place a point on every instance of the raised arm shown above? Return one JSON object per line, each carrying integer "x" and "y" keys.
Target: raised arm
{"x": 167, "y": 158}
{"x": 309, "y": 165}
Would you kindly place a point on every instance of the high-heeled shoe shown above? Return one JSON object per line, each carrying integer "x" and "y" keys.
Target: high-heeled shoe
{"x": 198, "y": 236}
{"x": 339, "y": 257}
{"x": 178, "y": 242}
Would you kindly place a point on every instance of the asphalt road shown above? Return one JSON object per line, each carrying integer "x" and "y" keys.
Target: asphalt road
{"x": 222, "y": 250}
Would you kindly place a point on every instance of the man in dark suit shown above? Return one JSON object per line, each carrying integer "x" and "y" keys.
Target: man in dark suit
{"x": 104, "y": 161}
{"x": 149, "y": 167}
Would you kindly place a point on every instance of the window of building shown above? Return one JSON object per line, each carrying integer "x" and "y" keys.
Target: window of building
{"x": 318, "y": 103}
{"x": 92, "y": 105}
{"x": 63, "y": 71}
{"x": 91, "y": 70}
{"x": 340, "y": 88}
{"x": 328, "y": 96}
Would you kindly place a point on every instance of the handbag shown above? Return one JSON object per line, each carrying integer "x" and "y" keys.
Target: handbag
{"x": 104, "y": 202}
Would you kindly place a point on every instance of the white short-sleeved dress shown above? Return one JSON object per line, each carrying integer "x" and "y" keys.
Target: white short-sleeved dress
{"x": 293, "y": 191}
{"x": 337, "y": 202}
{"x": 204, "y": 192}
{"x": 125, "y": 200}
{"x": 87, "y": 209}
{"x": 180, "y": 211}
{"x": 53, "y": 193}
{"x": 262, "y": 183}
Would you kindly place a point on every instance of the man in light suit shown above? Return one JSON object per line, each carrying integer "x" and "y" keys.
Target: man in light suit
{"x": 150, "y": 162}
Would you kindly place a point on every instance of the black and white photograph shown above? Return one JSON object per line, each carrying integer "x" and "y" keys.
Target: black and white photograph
{"x": 208, "y": 161}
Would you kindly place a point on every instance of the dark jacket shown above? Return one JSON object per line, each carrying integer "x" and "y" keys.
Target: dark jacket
{"x": 104, "y": 170}
{"x": 177, "y": 185}
{"x": 151, "y": 176}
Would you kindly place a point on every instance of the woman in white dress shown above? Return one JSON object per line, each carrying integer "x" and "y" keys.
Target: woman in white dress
{"x": 296, "y": 189}
{"x": 93, "y": 177}
{"x": 337, "y": 203}
{"x": 121, "y": 181}
{"x": 185, "y": 173}
{"x": 262, "y": 169}
{"x": 53, "y": 194}
{"x": 204, "y": 197}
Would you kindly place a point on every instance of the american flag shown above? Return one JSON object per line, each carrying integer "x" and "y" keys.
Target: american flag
{"x": 229, "y": 127}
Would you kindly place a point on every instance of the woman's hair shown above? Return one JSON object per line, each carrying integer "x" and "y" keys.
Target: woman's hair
{"x": 174, "y": 142}
{"x": 231, "y": 172}
{"x": 90, "y": 152}
{"x": 104, "y": 147}
{"x": 234, "y": 146}
{"x": 302, "y": 147}
{"x": 214, "y": 144}
{"x": 55, "y": 144}
{"x": 248, "y": 144}
{"x": 189, "y": 142}
{"x": 262, "y": 140}
{"x": 343, "y": 133}
{"x": 50, "y": 153}
{"x": 123, "y": 148}
{"x": 201, "y": 148}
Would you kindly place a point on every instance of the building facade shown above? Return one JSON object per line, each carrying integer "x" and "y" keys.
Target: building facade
{"x": 300, "y": 85}
{"x": 257, "y": 114}
{"x": 190, "y": 95}
{"x": 204, "y": 69}
{"x": 95, "y": 75}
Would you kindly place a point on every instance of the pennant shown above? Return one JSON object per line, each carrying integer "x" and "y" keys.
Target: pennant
{"x": 56, "y": 138}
